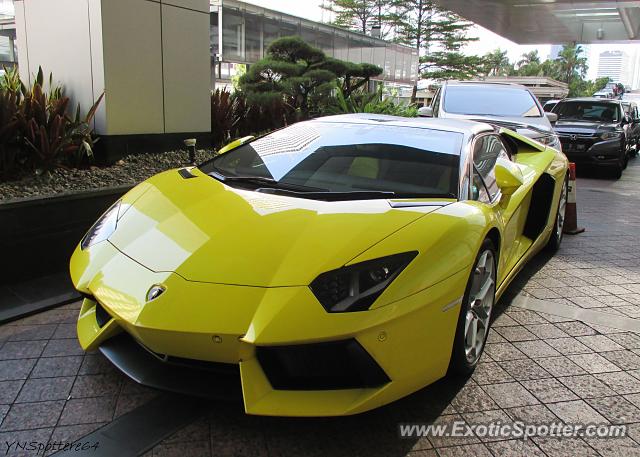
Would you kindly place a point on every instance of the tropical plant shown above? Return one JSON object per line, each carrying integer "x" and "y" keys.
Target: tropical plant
{"x": 9, "y": 149}
{"x": 10, "y": 81}
{"x": 227, "y": 112}
{"x": 369, "y": 102}
{"x": 53, "y": 138}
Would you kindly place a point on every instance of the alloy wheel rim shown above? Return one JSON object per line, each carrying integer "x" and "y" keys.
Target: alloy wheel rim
{"x": 561, "y": 211}
{"x": 481, "y": 298}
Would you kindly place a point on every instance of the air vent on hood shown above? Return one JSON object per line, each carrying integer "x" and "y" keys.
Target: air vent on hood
{"x": 186, "y": 173}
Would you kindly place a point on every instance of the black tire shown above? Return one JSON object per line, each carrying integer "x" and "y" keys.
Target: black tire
{"x": 616, "y": 171}
{"x": 556, "y": 236}
{"x": 460, "y": 364}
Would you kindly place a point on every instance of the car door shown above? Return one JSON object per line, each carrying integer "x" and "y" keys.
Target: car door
{"x": 487, "y": 150}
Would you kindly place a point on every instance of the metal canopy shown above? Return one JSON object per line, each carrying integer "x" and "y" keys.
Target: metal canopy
{"x": 554, "y": 21}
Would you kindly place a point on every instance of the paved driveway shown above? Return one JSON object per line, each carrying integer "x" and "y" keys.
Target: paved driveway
{"x": 578, "y": 361}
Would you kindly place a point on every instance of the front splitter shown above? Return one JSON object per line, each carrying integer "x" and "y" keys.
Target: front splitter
{"x": 220, "y": 383}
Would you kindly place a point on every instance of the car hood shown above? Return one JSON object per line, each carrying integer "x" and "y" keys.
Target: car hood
{"x": 206, "y": 231}
{"x": 582, "y": 127}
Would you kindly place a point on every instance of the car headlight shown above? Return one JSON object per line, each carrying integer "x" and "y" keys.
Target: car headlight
{"x": 356, "y": 287}
{"x": 551, "y": 141}
{"x": 103, "y": 228}
{"x": 611, "y": 135}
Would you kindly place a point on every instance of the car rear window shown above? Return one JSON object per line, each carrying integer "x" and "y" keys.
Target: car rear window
{"x": 490, "y": 101}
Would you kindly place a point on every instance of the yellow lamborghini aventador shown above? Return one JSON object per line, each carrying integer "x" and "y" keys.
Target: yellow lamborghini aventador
{"x": 327, "y": 268}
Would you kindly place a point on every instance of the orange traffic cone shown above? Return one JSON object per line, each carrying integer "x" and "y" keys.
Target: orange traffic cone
{"x": 571, "y": 212}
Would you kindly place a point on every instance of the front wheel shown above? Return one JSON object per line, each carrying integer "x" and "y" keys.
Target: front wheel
{"x": 556, "y": 236}
{"x": 616, "y": 171}
{"x": 475, "y": 312}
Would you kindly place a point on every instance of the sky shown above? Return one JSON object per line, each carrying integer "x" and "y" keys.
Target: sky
{"x": 488, "y": 41}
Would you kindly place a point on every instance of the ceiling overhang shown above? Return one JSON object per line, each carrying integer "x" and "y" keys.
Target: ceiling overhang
{"x": 554, "y": 21}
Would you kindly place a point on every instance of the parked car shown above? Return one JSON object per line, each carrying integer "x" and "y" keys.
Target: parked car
{"x": 328, "y": 268}
{"x": 508, "y": 105}
{"x": 631, "y": 97}
{"x": 593, "y": 131}
{"x": 549, "y": 104}
{"x": 603, "y": 94}
{"x": 632, "y": 128}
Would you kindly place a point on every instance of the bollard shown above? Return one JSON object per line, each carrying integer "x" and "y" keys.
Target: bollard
{"x": 190, "y": 144}
{"x": 571, "y": 212}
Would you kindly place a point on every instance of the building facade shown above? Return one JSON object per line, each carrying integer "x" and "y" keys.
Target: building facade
{"x": 616, "y": 66}
{"x": 241, "y": 33}
{"x": 8, "y": 50}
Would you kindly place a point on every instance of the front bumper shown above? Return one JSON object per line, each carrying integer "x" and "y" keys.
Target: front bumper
{"x": 408, "y": 342}
{"x": 592, "y": 150}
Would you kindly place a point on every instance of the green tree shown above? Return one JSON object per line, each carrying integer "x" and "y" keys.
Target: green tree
{"x": 361, "y": 15}
{"x": 437, "y": 35}
{"x": 452, "y": 65}
{"x": 496, "y": 63}
{"x": 571, "y": 65}
{"x": 302, "y": 76}
{"x": 583, "y": 88}
{"x": 529, "y": 64}
{"x": 529, "y": 58}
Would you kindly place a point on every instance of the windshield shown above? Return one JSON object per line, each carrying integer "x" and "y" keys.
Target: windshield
{"x": 588, "y": 111}
{"x": 490, "y": 101}
{"x": 315, "y": 158}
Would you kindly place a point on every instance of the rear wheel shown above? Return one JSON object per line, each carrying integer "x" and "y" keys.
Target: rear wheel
{"x": 475, "y": 312}
{"x": 558, "y": 226}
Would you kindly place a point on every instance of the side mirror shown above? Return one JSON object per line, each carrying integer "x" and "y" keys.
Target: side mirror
{"x": 508, "y": 176}
{"x": 425, "y": 111}
{"x": 553, "y": 117}
{"x": 235, "y": 144}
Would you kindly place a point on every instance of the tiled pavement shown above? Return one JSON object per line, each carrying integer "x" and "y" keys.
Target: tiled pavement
{"x": 537, "y": 368}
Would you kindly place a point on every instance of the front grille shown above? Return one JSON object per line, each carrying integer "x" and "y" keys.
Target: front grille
{"x": 580, "y": 144}
{"x": 322, "y": 366}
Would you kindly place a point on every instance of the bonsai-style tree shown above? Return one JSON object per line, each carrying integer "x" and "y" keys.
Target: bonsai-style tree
{"x": 301, "y": 75}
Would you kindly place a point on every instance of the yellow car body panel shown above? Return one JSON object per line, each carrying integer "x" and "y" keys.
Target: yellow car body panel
{"x": 236, "y": 267}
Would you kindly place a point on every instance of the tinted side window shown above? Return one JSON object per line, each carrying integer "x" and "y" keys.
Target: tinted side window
{"x": 486, "y": 152}
{"x": 478, "y": 189}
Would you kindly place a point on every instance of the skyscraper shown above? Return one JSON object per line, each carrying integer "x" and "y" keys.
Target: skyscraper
{"x": 615, "y": 65}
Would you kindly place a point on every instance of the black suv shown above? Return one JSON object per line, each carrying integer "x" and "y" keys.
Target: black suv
{"x": 593, "y": 132}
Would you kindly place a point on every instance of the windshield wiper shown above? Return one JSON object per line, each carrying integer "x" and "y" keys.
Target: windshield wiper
{"x": 263, "y": 180}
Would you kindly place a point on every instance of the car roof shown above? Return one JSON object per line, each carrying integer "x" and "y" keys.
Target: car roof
{"x": 451, "y": 125}
{"x": 592, "y": 99}
{"x": 485, "y": 83}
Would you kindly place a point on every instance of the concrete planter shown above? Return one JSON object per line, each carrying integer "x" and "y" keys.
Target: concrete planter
{"x": 38, "y": 235}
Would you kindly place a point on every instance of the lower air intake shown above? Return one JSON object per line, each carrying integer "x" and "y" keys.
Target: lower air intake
{"x": 323, "y": 366}
{"x": 102, "y": 316}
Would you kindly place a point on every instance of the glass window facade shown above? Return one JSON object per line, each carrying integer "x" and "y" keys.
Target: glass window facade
{"x": 248, "y": 30}
{"x": 8, "y": 51}
{"x": 233, "y": 35}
